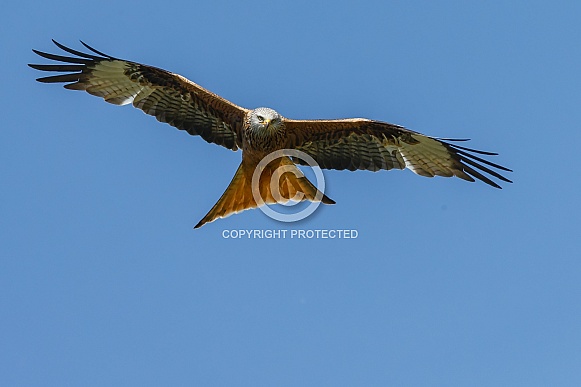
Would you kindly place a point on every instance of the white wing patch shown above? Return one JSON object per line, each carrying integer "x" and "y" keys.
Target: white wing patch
{"x": 108, "y": 80}
{"x": 429, "y": 158}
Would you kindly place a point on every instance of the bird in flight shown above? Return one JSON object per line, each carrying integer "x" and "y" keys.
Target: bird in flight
{"x": 353, "y": 144}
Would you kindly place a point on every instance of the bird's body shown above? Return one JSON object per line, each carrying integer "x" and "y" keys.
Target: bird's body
{"x": 353, "y": 144}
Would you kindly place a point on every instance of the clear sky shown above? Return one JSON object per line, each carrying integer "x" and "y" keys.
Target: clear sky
{"x": 104, "y": 282}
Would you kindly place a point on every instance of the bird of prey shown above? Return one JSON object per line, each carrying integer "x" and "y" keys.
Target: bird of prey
{"x": 353, "y": 144}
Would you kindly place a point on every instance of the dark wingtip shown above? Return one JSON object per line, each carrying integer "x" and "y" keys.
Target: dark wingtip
{"x": 474, "y": 150}
{"x": 96, "y": 51}
{"x": 453, "y": 139}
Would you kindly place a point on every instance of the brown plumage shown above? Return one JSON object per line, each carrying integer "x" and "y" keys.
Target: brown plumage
{"x": 353, "y": 144}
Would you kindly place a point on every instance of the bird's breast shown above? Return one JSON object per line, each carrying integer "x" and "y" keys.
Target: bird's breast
{"x": 264, "y": 141}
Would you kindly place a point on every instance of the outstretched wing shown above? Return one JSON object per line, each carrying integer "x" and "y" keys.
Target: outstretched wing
{"x": 360, "y": 143}
{"x": 169, "y": 97}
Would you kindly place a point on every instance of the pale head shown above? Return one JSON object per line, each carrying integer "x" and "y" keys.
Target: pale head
{"x": 265, "y": 119}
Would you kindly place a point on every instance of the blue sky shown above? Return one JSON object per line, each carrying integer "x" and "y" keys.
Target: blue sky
{"x": 103, "y": 281}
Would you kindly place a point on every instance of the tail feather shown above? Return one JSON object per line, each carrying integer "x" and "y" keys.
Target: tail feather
{"x": 289, "y": 184}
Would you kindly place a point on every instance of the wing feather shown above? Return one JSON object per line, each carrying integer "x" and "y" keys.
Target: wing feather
{"x": 169, "y": 97}
{"x": 364, "y": 144}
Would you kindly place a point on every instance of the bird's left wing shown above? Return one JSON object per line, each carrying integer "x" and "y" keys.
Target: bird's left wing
{"x": 359, "y": 143}
{"x": 169, "y": 97}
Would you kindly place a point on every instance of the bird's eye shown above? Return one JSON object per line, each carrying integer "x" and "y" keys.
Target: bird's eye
{"x": 260, "y": 118}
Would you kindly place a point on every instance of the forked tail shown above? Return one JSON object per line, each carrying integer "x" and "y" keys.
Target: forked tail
{"x": 279, "y": 182}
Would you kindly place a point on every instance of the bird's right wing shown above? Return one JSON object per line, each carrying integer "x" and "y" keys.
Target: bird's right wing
{"x": 169, "y": 97}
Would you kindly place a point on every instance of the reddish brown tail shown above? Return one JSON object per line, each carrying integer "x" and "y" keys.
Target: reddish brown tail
{"x": 292, "y": 184}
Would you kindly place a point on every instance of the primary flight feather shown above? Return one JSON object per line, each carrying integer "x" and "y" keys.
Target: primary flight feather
{"x": 351, "y": 144}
